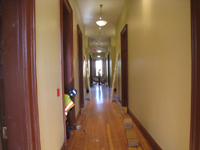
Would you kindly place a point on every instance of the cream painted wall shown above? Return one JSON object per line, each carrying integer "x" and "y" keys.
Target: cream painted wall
{"x": 112, "y": 57}
{"x": 159, "y": 64}
{"x": 49, "y": 70}
{"x": 49, "y": 74}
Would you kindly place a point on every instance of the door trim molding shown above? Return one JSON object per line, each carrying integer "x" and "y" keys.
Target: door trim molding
{"x": 33, "y": 100}
{"x": 195, "y": 95}
{"x": 124, "y": 65}
{"x": 91, "y": 77}
{"x": 80, "y": 65}
{"x": 66, "y": 4}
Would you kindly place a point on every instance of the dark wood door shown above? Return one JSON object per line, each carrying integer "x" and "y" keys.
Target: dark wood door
{"x": 109, "y": 70}
{"x": 18, "y": 92}
{"x": 80, "y": 66}
{"x": 124, "y": 65}
{"x": 91, "y": 77}
{"x": 2, "y": 100}
{"x": 67, "y": 31}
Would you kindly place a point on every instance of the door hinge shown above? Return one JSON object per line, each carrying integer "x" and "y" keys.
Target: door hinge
{"x": 5, "y": 134}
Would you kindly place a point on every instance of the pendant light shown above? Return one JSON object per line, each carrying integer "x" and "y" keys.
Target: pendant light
{"x": 101, "y": 22}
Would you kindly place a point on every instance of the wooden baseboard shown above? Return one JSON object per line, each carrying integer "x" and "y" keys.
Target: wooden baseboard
{"x": 64, "y": 146}
{"x": 144, "y": 132}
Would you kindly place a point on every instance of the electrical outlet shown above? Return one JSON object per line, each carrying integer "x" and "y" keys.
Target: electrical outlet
{"x": 5, "y": 134}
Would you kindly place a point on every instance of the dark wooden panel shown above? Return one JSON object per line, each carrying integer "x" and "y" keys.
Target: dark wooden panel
{"x": 124, "y": 65}
{"x": 109, "y": 70}
{"x": 195, "y": 99}
{"x": 91, "y": 65}
{"x": 80, "y": 66}
{"x": 20, "y": 112}
{"x": 1, "y": 84}
{"x": 68, "y": 57}
{"x": 66, "y": 29}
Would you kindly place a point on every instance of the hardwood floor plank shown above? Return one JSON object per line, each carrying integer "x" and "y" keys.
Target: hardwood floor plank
{"x": 109, "y": 137}
{"x": 102, "y": 126}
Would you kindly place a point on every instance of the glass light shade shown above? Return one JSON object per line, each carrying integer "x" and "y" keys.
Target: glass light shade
{"x": 98, "y": 56}
{"x": 101, "y": 22}
{"x": 98, "y": 51}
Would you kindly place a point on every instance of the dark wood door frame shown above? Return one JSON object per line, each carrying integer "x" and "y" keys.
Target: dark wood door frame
{"x": 18, "y": 75}
{"x": 80, "y": 65}
{"x": 108, "y": 70}
{"x": 1, "y": 84}
{"x": 91, "y": 77}
{"x": 67, "y": 69}
{"x": 195, "y": 99}
{"x": 124, "y": 65}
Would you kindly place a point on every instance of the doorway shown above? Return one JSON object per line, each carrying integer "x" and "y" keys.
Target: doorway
{"x": 66, "y": 29}
{"x": 124, "y": 65}
{"x": 80, "y": 66}
{"x": 108, "y": 70}
{"x": 68, "y": 58}
{"x": 91, "y": 66}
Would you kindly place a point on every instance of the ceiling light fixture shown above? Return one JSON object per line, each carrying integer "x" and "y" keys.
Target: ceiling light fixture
{"x": 101, "y": 22}
{"x": 98, "y": 56}
{"x": 98, "y": 51}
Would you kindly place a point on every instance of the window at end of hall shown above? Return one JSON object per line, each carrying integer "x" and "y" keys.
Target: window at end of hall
{"x": 99, "y": 65}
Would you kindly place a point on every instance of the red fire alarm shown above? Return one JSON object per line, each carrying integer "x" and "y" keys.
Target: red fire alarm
{"x": 95, "y": 51}
{"x": 58, "y": 92}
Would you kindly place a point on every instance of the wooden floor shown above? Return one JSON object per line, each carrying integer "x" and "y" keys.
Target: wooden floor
{"x": 102, "y": 125}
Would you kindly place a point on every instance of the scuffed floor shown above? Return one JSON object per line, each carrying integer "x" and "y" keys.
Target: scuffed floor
{"x": 102, "y": 125}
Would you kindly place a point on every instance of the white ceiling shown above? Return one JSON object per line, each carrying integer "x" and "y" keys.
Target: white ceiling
{"x": 90, "y": 11}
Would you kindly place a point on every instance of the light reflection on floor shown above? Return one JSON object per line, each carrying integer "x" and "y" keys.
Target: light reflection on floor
{"x": 102, "y": 126}
{"x": 101, "y": 93}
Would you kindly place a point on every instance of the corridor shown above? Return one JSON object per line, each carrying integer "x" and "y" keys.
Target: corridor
{"x": 50, "y": 47}
{"x": 102, "y": 125}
